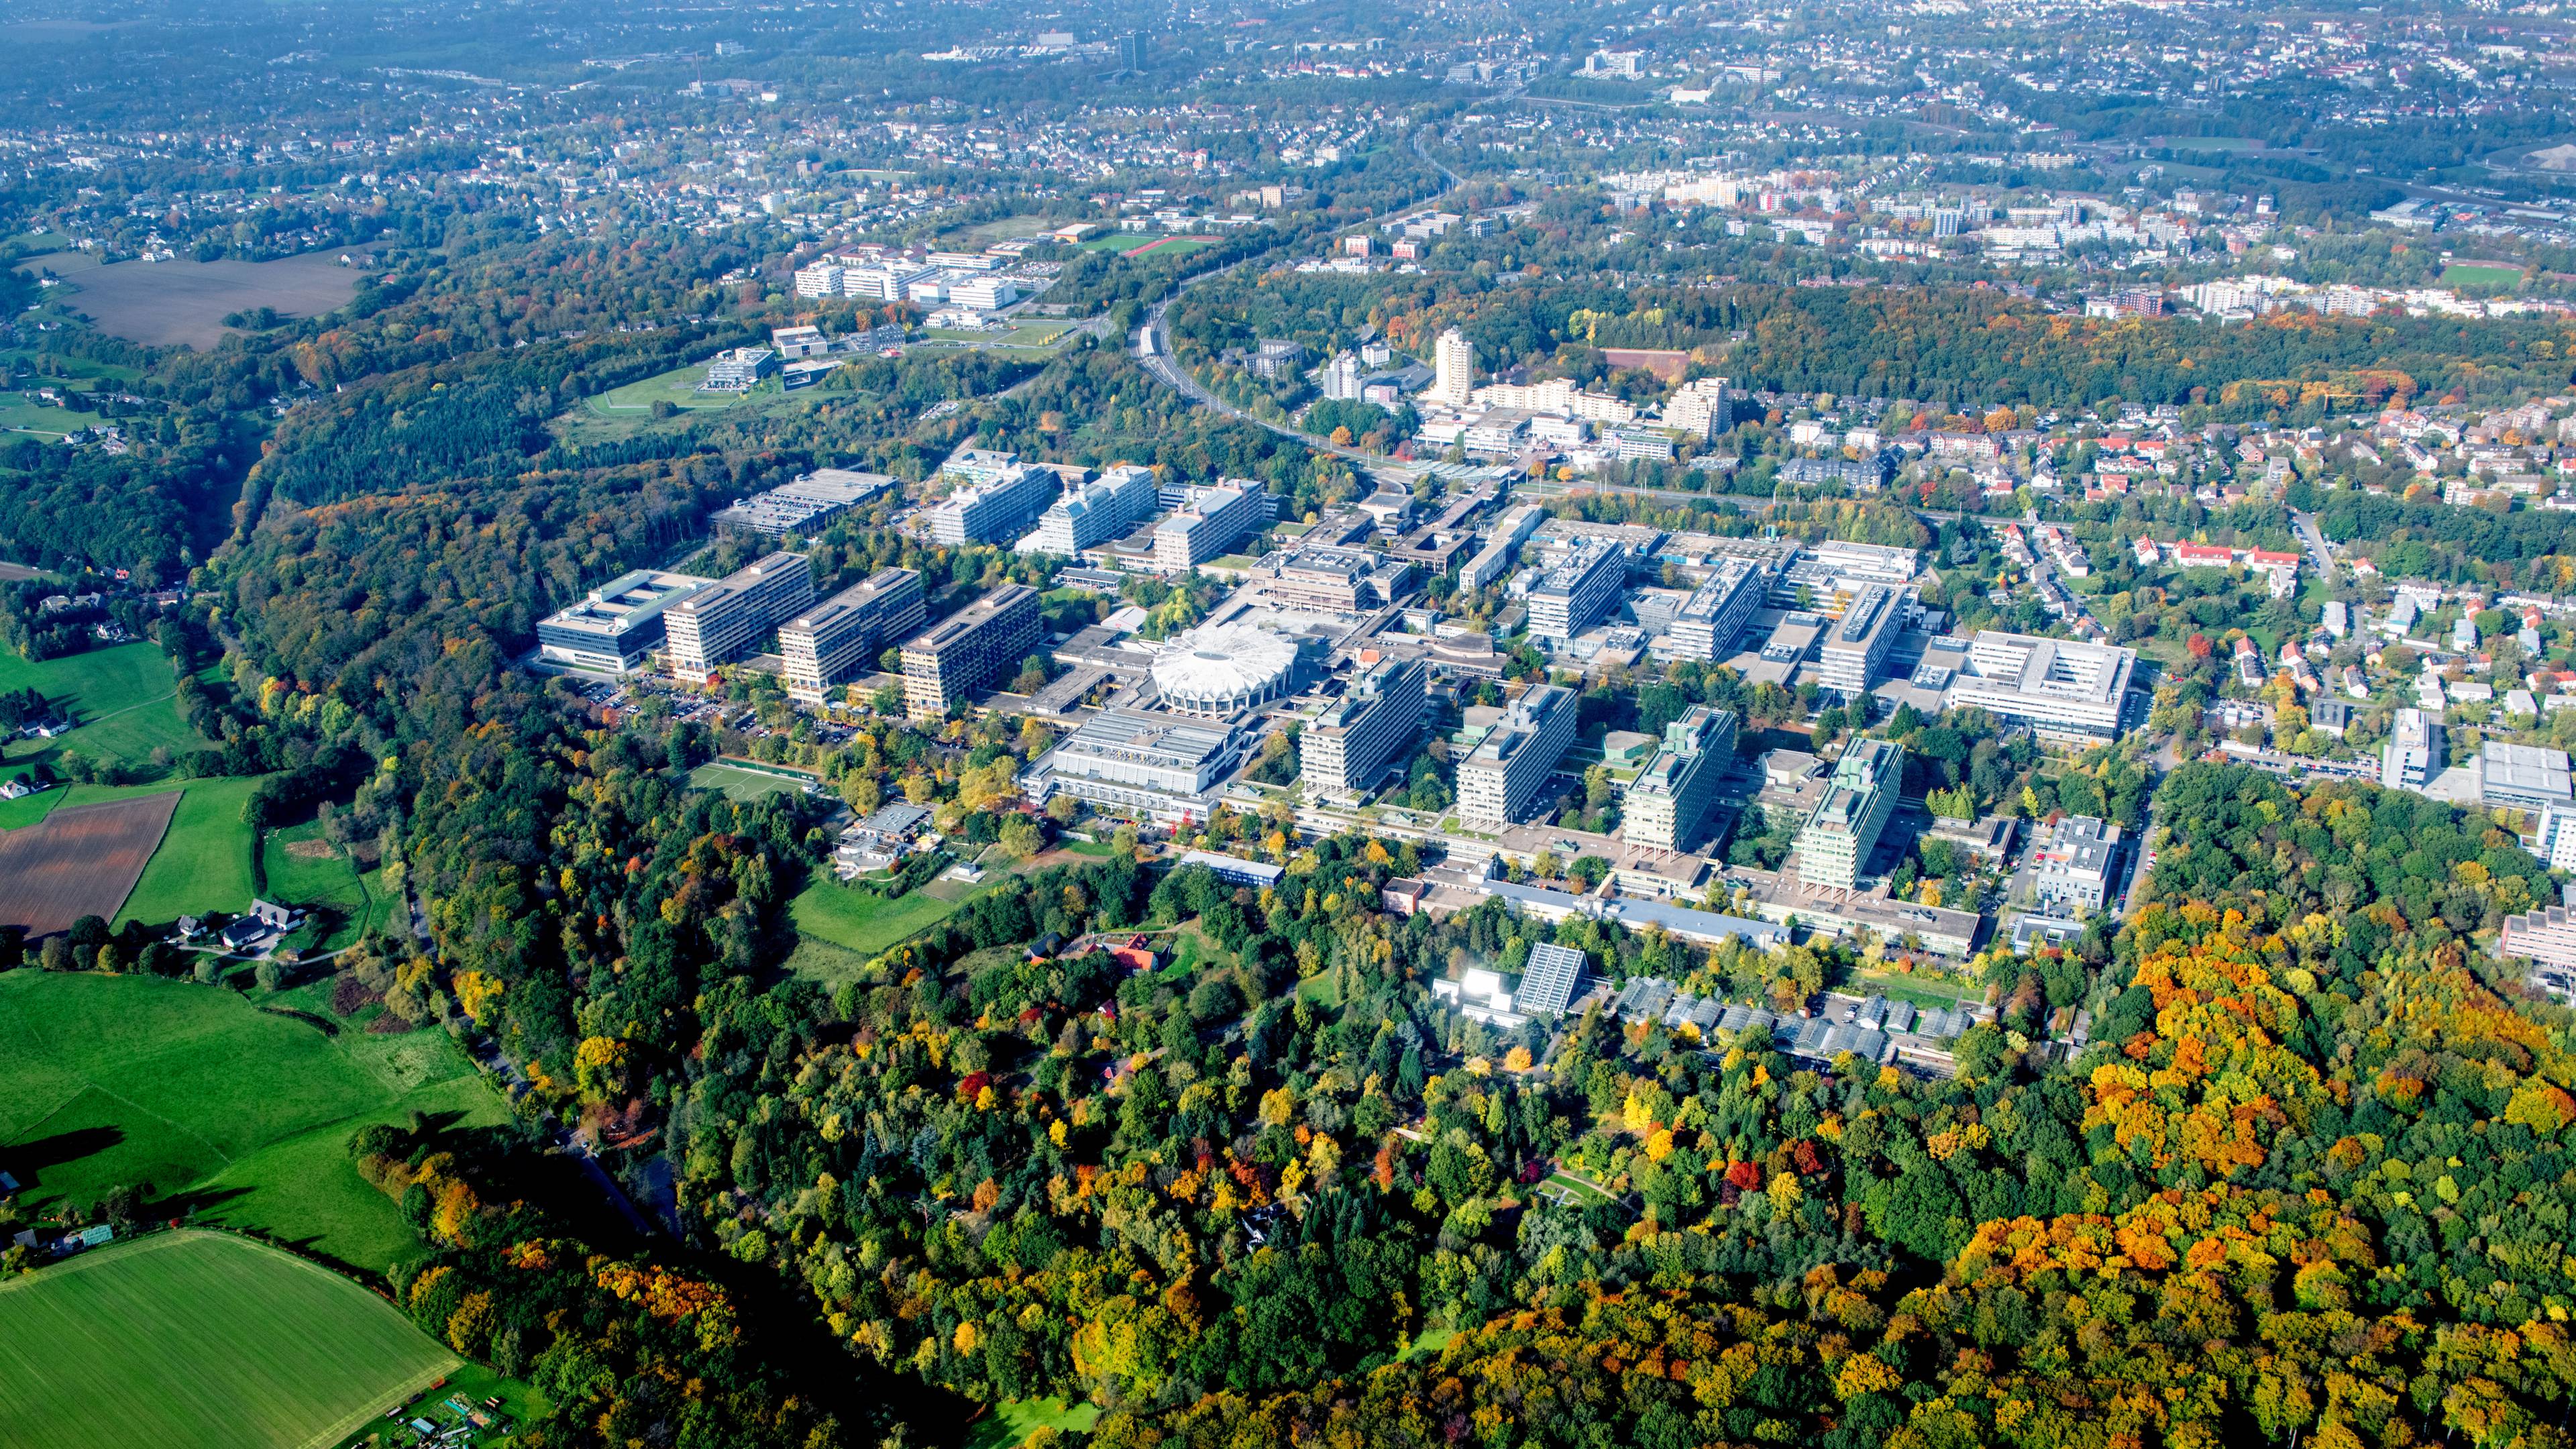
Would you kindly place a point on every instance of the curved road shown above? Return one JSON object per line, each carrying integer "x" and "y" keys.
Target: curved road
{"x": 1153, "y": 344}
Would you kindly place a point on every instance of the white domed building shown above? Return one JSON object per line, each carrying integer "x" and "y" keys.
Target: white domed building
{"x": 1221, "y": 670}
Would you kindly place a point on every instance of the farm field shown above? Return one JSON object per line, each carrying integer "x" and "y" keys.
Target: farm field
{"x": 207, "y": 1102}
{"x": 83, "y": 860}
{"x": 200, "y": 1339}
{"x": 204, "y": 860}
{"x": 121, "y": 702}
{"x": 184, "y": 303}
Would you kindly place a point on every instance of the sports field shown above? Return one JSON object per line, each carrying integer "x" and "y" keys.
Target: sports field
{"x": 200, "y": 1339}
{"x": 81, "y": 861}
{"x": 204, "y": 1101}
{"x": 2490, "y": 275}
{"x": 741, "y": 784}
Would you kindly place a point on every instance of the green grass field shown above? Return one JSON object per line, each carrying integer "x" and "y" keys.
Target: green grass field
{"x": 1012, "y": 1422}
{"x": 194, "y": 1094}
{"x": 2473, "y": 274}
{"x": 200, "y": 1339}
{"x": 861, "y": 922}
{"x": 204, "y": 860}
{"x": 678, "y": 387}
{"x": 18, "y": 413}
{"x": 299, "y": 875}
{"x": 740, "y": 784}
{"x": 123, "y": 700}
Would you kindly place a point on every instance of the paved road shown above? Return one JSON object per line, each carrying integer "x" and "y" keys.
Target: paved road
{"x": 2314, "y": 541}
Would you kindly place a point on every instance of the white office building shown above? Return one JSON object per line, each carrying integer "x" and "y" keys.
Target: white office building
{"x": 822, "y": 279}
{"x": 1669, "y": 804}
{"x": 2413, "y": 754}
{"x": 618, "y": 625}
{"x": 2053, "y": 686}
{"x": 1858, "y": 642}
{"x": 994, "y": 511}
{"x": 1578, "y": 590}
{"x": 839, "y": 639}
{"x": 984, "y": 294}
{"x": 2521, "y": 777}
{"x": 1508, "y": 769}
{"x": 1493, "y": 562}
{"x": 717, "y": 624}
{"x": 1371, "y": 728}
{"x": 1146, "y": 766}
{"x": 1095, "y": 513}
{"x": 2073, "y": 865}
{"x": 1718, "y": 610}
{"x": 883, "y": 283}
{"x": 1833, "y": 847}
{"x": 1213, "y": 521}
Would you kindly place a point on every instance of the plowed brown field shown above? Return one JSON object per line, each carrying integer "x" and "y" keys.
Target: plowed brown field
{"x": 82, "y": 860}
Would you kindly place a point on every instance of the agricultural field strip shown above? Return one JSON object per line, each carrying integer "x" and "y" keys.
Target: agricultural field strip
{"x": 89, "y": 1085}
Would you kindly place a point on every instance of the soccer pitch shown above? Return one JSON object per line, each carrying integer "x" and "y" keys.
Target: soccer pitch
{"x": 200, "y": 1339}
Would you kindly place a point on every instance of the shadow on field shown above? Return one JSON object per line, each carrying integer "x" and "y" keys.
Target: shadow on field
{"x": 27, "y": 1161}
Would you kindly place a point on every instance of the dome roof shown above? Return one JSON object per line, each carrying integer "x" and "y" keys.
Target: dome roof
{"x": 1225, "y": 662}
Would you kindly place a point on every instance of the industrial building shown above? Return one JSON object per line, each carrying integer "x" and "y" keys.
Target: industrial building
{"x": 1095, "y": 512}
{"x": 1670, "y": 801}
{"x": 803, "y": 506}
{"x": 839, "y": 639}
{"x": 1370, "y": 729}
{"x": 1509, "y": 768}
{"x": 1210, "y": 524}
{"x": 1578, "y": 590}
{"x": 969, "y": 650}
{"x": 2052, "y": 686}
{"x": 2521, "y": 777}
{"x": 1718, "y": 610}
{"x": 717, "y": 624}
{"x": 1858, "y": 642}
{"x": 1833, "y": 847}
{"x": 617, "y": 625}
{"x": 1146, "y": 766}
{"x": 994, "y": 511}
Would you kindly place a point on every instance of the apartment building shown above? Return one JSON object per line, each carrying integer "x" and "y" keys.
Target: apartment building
{"x": 1701, "y": 408}
{"x": 1834, "y": 846}
{"x": 2074, "y": 863}
{"x": 719, "y": 623}
{"x": 2053, "y": 686}
{"x": 1578, "y": 590}
{"x": 1453, "y": 369}
{"x": 1372, "y": 727}
{"x": 969, "y": 650}
{"x": 1668, "y": 805}
{"x": 994, "y": 511}
{"x": 1212, "y": 522}
{"x": 1095, "y": 512}
{"x": 1508, "y": 769}
{"x": 1858, "y": 642}
{"x": 839, "y": 639}
{"x": 1718, "y": 610}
